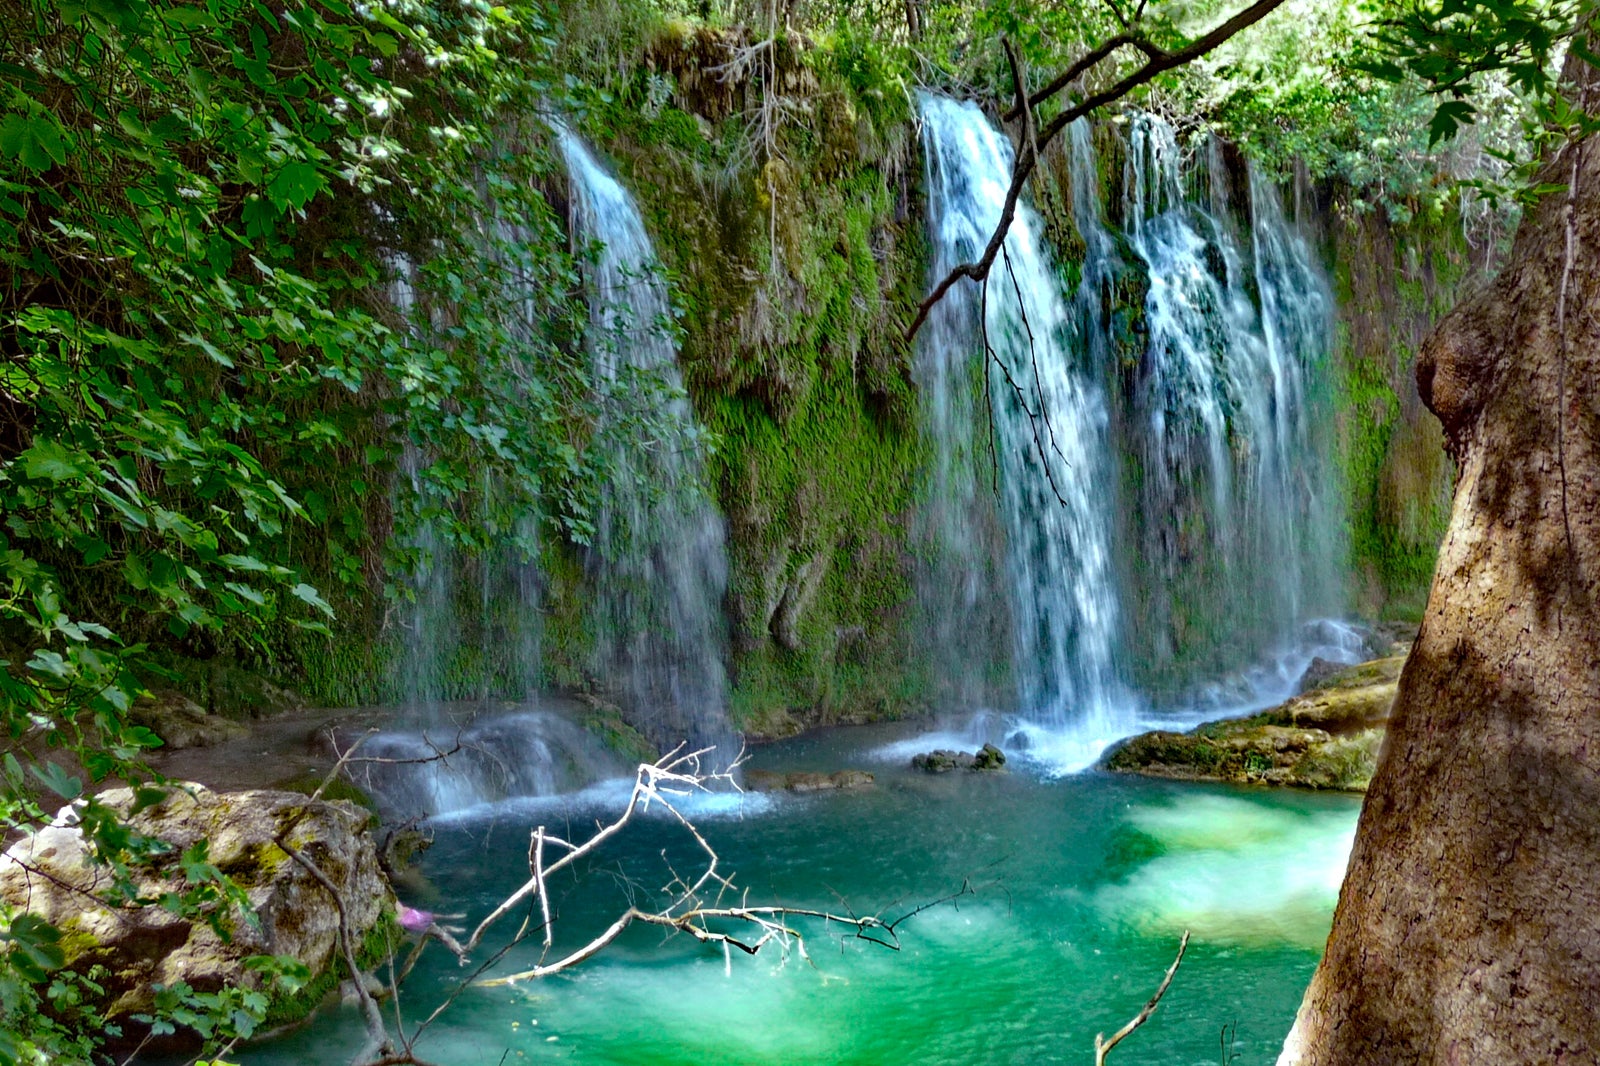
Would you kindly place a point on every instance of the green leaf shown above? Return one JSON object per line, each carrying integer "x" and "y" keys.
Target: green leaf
{"x": 1451, "y": 115}
{"x": 34, "y": 140}
{"x": 50, "y": 460}
{"x": 39, "y": 942}
{"x": 295, "y": 185}
{"x": 57, "y": 780}
{"x": 147, "y": 796}
{"x": 211, "y": 350}
{"x": 308, "y": 595}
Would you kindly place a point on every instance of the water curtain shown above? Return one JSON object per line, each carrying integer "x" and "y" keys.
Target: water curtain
{"x": 659, "y": 556}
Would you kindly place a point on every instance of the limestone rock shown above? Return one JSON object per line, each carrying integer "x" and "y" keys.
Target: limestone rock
{"x": 182, "y": 723}
{"x": 49, "y": 874}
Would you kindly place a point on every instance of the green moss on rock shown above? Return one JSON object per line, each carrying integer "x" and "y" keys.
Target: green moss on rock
{"x": 1325, "y": 738}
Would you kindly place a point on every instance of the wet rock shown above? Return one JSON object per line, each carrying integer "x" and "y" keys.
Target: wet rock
{"x": 989, "y": 758}
{"x": 182, "y": 723}
{"x": 238, "y": 693}
{"x": 943, "y": 760}
{"x": 1319, "y": 671}
{"x": 1327, "y": 737}
{"x": 805, "y": 781}
{"x": 50, "y": 874}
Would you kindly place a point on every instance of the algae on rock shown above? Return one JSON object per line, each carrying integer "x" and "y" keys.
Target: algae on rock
{"x": 1327, "y": 737}
{"x": 50, "y": 874}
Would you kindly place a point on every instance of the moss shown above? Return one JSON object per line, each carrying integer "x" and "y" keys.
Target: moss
{"x": 605, "y": 722}
{"x": 340, "y": 788}
{"x": 1392, "y": 281}
{"x": 376, "y": 946}
{"x": 1345, "y": 763}
{"x": 76, "y": 943}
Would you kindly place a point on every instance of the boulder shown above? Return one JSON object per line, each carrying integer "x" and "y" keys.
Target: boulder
{"x": 1319, "y": 671}
{"x": 49, "y": 874}
{"x": 943, "y": 760}
{"x": 989, "y": 757}
{"x": 182, "y": 723}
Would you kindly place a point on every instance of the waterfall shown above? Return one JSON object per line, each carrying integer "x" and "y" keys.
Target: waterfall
{"x": 1020, "y": 486}
{"x": 1235, "y": 519}
{"x": 470, "y": 623}
{"x": 1185, "y": 427}
{"x": 658, "y": 558}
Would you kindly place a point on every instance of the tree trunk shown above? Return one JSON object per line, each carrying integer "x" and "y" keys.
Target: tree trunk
{"x": 1468, "y": 928}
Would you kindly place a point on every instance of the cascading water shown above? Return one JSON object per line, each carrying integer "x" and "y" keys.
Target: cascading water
{"x": 1235, "y": 513}
{"x": 659, "y": 554}
{"x": 1210, "y": 466}
{"x": 526, "y": 752}
{"x": 1044, "y": 530}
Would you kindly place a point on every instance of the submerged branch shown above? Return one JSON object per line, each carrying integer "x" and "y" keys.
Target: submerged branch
{"x": 1102, "y": 1046}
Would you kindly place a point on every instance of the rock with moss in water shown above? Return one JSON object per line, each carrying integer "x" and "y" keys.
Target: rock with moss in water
{"x": 1326, "y": 737}
{"x": 133, "y": 949}
{"x": 943, "y": 760}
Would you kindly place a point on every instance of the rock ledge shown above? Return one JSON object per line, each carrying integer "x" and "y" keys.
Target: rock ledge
{"x": 1327, "y": 737}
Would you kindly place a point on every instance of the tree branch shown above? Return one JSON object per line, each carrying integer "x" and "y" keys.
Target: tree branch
{"x": 1027, "y": 157}
{"x": 1102, "y": 1046}
{"x": 1086, "y": 62}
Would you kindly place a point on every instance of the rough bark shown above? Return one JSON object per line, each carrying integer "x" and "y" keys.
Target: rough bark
{"x": 1468, "y": 928}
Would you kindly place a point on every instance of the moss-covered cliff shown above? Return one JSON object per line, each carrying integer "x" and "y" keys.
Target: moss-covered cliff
{"x": 795, "y": 254}
{"x": 1392, "y": 282}
{"x": 780, "y": 183}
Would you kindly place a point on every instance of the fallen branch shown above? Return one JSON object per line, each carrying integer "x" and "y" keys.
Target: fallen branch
{"x": 693, "y": 905}
{"x": 378, "y": 1041}
{"x": 1102, "y": 1046}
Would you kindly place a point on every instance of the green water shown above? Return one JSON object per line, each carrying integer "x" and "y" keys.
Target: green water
{"x": 1084, "y": 884}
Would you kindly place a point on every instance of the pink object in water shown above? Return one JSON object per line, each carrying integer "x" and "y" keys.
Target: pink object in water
{"x": 413, "y": 920}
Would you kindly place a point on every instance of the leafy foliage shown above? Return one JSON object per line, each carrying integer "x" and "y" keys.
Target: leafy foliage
{"x": 250, "y": 257}
{"x": 1456, "y": 47}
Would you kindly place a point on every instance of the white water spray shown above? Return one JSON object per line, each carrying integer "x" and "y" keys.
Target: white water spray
{"x": 659, "y": 559}
{"x": 1046, "y": 458}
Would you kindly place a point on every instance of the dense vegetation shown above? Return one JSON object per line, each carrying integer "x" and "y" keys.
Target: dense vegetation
{"x": 288, "y": 308}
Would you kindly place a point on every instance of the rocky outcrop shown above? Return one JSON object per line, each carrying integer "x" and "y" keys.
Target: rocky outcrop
{"x": 50, "y": 874}
{"x": 1327, "y": 737}
{"x": 805, "y": 781}
{"x": 943, "y": 760}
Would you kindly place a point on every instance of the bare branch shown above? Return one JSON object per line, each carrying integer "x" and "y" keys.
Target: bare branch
{"x": 1027, "y": 157}
{"x": 693, "y": 904}
{"x": 673, "y": 773}
{"x": 1083, "y": 64}
{"x": 1017, "y": 390}
{"x": 1102, "y": 1046}
{"x": 378, "y": 1041}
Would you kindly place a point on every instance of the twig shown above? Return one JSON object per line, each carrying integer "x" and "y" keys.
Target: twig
{"x": 1017, "y": 390}
{"x": 1102, "y": 1046}
{"x": 377, "y": 1034}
